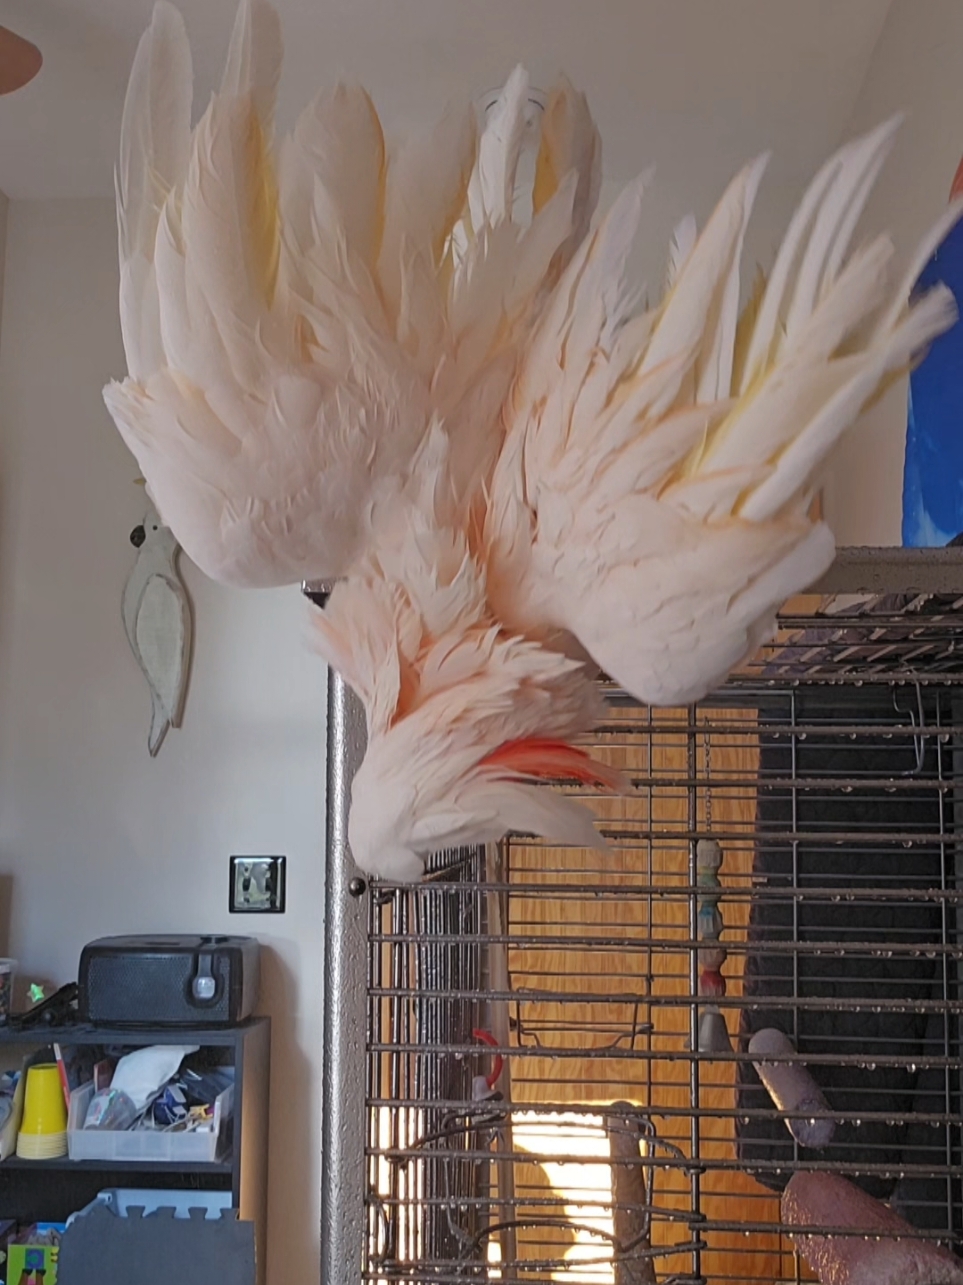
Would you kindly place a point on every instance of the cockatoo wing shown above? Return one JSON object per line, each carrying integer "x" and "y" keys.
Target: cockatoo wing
{"x": 502, "y": 266}
{"x": 314, "y": 318}
{"x": 681, "y": 246}
{"x": 282, "y": 397}
{"x": 570, "y": 143}
{"x": 653, "y": 494}
{"x": 154, "y": 147}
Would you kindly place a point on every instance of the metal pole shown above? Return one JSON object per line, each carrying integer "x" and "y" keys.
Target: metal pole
{"x": 500, "y": 980}
{"x": 695, "y": 1135}
{"x": 956, "y": 1147}
{"x": 343, "y": 1178}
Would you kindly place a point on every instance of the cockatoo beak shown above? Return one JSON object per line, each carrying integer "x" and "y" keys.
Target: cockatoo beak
{"x": 138, "y": 535}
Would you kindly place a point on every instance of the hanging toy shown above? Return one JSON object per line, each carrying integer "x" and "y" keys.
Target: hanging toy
{"x": 483, "y": 1086}
{"x": 713, "y": 1033}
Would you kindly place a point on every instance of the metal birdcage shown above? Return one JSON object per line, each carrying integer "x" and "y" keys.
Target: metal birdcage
{"x": 539, "y": 1060}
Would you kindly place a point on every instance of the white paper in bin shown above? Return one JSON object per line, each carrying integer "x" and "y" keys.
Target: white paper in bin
{"x": 145, "y": 1144}
{"x": 121, "y": 1199}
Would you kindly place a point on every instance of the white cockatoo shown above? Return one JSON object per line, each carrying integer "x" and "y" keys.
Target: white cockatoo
{"x": 649, "y": 510}
{"x": 382, "y": 364}
{"x": 293, "y": 324}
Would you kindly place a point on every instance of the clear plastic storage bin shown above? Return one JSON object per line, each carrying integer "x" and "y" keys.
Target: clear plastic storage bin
{"x": 146, "y": 1144}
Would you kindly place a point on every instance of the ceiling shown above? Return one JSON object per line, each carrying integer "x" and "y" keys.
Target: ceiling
{"x": 697, "y": 86}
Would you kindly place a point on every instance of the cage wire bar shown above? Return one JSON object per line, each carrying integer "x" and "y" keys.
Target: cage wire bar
{"x": 536, "y": 1061}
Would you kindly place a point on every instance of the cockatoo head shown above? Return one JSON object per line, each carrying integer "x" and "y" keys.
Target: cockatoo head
{"x": 462, "y": 718}
{"x": 152, "y": 533}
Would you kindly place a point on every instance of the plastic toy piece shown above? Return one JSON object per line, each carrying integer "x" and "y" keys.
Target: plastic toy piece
{"x": 483, "y": 1086}
{"x": 157, "y": 1248}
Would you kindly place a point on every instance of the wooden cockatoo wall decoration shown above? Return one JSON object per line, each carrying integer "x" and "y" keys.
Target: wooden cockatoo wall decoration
{"x": 157, "y": 621}
{"x": 377, "y": 365}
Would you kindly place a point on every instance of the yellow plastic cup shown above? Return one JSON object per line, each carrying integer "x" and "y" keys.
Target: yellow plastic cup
{"x": 44, "y": 1108}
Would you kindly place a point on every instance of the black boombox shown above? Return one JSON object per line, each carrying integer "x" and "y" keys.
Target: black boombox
{"x": 168, "y": 981}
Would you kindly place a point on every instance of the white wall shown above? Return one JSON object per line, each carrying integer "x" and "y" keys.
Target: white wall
{"x": 96, "y": 837}
{"x": 4, "y": 208}
{"x": 918, "y": 68}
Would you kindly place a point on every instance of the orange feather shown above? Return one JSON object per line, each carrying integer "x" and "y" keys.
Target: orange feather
{"x": 548, "y": 760}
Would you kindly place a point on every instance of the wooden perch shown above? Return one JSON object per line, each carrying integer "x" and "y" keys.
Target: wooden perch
{"x": 630, "y": 1201}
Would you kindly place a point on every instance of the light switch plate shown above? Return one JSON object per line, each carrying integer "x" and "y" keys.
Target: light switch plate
{"x": 257, "y": 886}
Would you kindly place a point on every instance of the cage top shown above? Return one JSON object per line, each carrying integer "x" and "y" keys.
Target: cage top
{"x": 886, "y": 570}
{"x": 860, "y": 569}
{"x": 878, "y": 615}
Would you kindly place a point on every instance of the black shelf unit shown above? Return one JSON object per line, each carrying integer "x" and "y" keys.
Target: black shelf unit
{"x": 121, "y": 1166}
{"x": 50, "y": 1190}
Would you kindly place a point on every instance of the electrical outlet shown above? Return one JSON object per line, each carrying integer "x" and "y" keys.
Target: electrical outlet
{"x": 257, "y": 886}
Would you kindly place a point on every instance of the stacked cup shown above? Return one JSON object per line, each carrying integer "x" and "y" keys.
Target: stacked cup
{"x": 7, "y": 969}
{"x": 43, "y": 1129}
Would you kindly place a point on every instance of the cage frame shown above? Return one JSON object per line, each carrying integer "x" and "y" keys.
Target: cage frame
{"x": 856, "y": 570}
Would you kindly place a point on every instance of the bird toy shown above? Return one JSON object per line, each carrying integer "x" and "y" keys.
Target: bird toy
{"x": 158, "y": 623}
{"x": 483, "y": 1086}
{"x": 713, "y": 1033}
